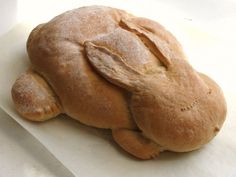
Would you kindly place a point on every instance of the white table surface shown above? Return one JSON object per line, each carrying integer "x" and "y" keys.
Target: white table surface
{"x": 21, "y": 155}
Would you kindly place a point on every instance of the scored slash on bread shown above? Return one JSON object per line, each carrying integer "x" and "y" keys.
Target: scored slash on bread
{"x": 109, "y": 69}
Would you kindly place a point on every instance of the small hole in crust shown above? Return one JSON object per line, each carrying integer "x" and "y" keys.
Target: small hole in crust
{"x": 210, "y": 91}
{"x": 182, "y": 109}
{"x": 216, "y": 129}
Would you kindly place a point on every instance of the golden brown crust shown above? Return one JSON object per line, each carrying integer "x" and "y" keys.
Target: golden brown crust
{"x": 113, "y": 70}
{"x": 57, "y": 54}
{"x": 34, "y": 98}
{"x": 136, "y": 144}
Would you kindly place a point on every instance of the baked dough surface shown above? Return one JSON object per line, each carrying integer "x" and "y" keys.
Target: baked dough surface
{"x": 109, "y": 69}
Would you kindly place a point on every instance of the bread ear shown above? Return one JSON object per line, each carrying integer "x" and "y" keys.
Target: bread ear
{"x": 158, "y": 46}
{"x": 112, "y": 67}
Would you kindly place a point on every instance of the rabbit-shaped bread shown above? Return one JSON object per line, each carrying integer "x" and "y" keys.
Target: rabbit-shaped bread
{"x": 109, "y": 69}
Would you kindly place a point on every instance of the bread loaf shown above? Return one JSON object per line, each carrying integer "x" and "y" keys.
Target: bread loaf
{"x": 109, "y": 69}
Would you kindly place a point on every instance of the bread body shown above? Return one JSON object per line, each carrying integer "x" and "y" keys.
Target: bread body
{"x": 112, "y": 70}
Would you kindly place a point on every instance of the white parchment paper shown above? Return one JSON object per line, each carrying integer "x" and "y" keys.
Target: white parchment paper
{"x": 91, "y": 152}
